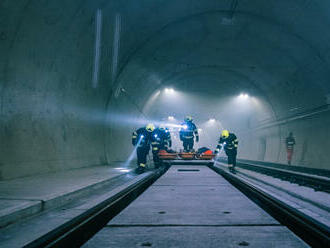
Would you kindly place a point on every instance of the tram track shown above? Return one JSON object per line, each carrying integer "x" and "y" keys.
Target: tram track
{"x": 318, "y": 183}
{"x": 78, "y": 230}
{"x": 306, "y": 227}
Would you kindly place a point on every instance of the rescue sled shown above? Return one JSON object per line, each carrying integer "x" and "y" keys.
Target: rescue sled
{"x": 187, "y": 155}
{"x": 206, "y": 155}
{"x": 203, "y": 156}
{"x": 164, "y": 155}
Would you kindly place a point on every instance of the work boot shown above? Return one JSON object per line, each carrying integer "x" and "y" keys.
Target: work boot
{"x": 140, "y": 169}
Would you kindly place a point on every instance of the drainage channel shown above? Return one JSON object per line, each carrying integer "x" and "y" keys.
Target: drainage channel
{"x": 77, "y": 231}
{"x": 309, "y": 230}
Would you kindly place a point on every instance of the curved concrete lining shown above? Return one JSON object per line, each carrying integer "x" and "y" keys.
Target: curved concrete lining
{"x": 57, "y": 114}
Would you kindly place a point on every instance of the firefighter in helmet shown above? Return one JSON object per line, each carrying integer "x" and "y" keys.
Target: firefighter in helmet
{"x": 187, "y": 133}
{"x": 160, "y": 137}
{"x": 229, "y": 142}
{"x": 142, "y": 139}
{"x": 168, "y": 139}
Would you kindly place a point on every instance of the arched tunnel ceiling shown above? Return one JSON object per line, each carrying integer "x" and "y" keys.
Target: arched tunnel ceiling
{"x": 279, "y": 45}
{"x": 272, "y": 60}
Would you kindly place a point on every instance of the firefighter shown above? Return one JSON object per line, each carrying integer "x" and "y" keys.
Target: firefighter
{"x": 142, "y": 138}
{"x": 290, "y": 142}
{"x": 187, "y": 133}
{"x": 230, "y": 143}
{"x": 158, "y": 143}
{"x": 168, "y": 139}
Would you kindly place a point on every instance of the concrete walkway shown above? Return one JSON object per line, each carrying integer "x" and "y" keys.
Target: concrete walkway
{"x": 24, "y": 197}
{"x": 192, "y": 206}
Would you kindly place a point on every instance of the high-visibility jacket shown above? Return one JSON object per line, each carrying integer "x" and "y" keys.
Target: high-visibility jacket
{"x": 189, "y": 132}
{"x": 141, "y": 138}
{"x": 229, "y": 143}
{"x": 159, "y": 139}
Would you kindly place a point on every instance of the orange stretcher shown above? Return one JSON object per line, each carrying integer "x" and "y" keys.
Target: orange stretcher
{"x": 164, "y": 155}
{"x": 187, "y": 155}
{"x": 206, "y": 156}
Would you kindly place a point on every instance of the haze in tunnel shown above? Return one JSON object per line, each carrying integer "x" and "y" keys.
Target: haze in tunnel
{"x": 77, "y": 77}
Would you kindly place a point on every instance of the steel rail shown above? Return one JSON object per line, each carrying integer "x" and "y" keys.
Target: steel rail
{"x": 317, "y": 182}
{"x": 80, "y": 229}
{"x": 308, "y": 229}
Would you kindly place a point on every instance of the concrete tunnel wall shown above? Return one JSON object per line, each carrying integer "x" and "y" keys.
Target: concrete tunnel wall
{"x": 55, "y": 117}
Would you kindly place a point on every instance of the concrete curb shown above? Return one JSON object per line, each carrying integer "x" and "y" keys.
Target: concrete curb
{"x": 82, "y": 210}
{"x": 26, "y": 208}
{"x": 23, "y": 209}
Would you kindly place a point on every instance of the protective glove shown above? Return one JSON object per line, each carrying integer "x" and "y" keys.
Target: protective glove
{"x": 197, "y": 138}
{"x": 217, "y": 151}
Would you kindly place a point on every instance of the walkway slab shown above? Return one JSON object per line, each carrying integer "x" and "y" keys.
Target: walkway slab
{"x": 11, "y": 210}
{"x": 23, "y": 232}
{"x": 190, "y": 175}
{"x": 192, "y": 195}
{"x": 193, "y": 206}
{"x": 23, "y": 197}
{"x": 191, "y": 237}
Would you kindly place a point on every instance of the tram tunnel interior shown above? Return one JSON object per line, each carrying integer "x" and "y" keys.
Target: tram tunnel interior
{"x": 77, "y": 77}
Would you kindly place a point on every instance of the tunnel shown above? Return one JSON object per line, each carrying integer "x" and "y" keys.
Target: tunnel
{"x": 78, "y": 77}
{"x": 63, "y": 106}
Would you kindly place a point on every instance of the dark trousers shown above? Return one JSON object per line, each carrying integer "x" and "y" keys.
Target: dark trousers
{"x": 231, "y": 153}
{"x": 188, "y": 144}
{"x": 155, "y": 151}
{"x": 289, "y": 153}
{"x": 142, "y": 153}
